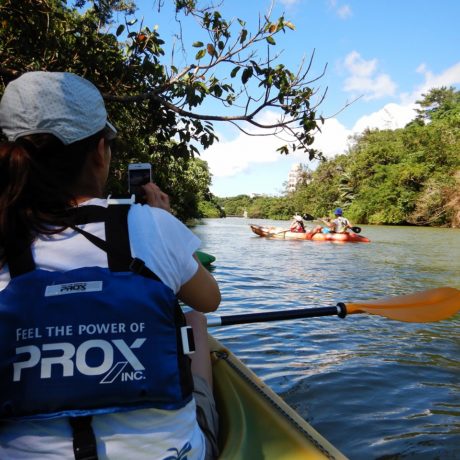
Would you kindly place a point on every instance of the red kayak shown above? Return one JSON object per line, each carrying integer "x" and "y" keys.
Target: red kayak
{"x": 278, "y": 233}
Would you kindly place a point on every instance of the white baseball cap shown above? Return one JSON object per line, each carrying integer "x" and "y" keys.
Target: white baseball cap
{"x": 59, "y": 103}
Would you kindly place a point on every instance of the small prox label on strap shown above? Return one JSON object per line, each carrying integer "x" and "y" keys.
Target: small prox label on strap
{"x": 73, "y": 288}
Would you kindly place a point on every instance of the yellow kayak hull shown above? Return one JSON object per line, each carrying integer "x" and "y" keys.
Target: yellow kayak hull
{"x": 255, "y": 423}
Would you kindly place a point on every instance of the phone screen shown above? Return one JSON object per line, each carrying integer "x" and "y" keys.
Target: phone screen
{"x": 138, "y": 177}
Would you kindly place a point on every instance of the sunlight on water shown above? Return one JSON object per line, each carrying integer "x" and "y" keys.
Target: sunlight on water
{"x": 375, "y": 388}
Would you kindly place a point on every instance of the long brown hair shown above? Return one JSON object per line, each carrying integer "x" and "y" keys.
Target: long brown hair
{"x": 37, "y": 175}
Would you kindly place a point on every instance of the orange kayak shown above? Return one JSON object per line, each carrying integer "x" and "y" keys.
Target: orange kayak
{"x": 279, "y": 233}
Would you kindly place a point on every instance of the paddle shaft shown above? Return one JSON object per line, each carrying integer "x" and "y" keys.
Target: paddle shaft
{"x": 230, "y": 320}
{"x": 420, "y": 307}
{"x": 278, "y": 233}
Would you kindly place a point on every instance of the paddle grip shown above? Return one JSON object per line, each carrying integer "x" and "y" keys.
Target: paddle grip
{"x": 342, "y": 310}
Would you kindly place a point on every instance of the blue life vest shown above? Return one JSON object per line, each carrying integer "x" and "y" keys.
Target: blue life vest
{"x": 91, "y": 340}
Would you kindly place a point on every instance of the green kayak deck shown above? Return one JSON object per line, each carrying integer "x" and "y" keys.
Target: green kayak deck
{"x": 255, "y": 423}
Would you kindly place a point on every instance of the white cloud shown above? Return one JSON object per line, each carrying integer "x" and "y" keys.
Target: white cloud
{"x": 332, "y": 140}
{"x": 364, "y": 79}
{"x": 421, "y": 68}
{"x": 449, "y": 77}
{"x": 229, "y": 158}
{"x": 357, "y": 66}
{"x": 391, "y": 116}
{"x": 289, "y": 2}
{"x": 342, "y": 11}
{"x": 233, "y": 157}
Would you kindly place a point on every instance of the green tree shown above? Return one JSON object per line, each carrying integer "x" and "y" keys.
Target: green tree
{"x": 408, "y": 175}
{"x": 437, "y": 102}
{"x": 235, "y": 206}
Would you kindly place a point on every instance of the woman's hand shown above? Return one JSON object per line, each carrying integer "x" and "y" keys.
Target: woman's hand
{"x": 155, "y": 197}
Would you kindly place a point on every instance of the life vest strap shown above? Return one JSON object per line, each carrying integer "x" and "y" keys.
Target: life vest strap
{"x": 117, "y": 244}
{"x": 84, "y": 440}
{"x": 20, "y": 260}
{"x": 117, "y": 237}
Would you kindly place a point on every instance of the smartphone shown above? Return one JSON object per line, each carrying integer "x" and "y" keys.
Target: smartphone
{"x": 138, "y": 174}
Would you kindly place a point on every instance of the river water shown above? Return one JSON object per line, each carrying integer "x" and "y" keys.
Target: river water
{"x": 374, "y": 387}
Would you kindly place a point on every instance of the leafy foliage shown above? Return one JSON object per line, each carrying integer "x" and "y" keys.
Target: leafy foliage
{"x": 259, "y": 206}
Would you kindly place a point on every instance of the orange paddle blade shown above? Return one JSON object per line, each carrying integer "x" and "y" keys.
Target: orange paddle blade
{"x": 420, "y": 307}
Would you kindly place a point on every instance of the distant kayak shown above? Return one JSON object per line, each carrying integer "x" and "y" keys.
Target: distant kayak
{"x": 283, "y": 234}
{"x": 205, "y": 258}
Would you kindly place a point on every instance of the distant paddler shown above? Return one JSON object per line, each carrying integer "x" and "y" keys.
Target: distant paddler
{"x": 338, "y": 225}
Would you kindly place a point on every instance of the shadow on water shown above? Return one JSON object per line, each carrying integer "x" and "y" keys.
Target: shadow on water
{"x": 376, "y": 388}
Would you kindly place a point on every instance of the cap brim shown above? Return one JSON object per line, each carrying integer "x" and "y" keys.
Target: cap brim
{"x": 111, "y": 132}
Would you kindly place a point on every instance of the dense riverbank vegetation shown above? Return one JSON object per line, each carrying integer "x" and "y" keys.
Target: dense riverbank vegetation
{"x": 404, "y": 176}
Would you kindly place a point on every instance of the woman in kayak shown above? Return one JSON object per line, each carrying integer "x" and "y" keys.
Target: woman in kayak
{"x": 85, "y": 382}
{"x": 297, "y": 225}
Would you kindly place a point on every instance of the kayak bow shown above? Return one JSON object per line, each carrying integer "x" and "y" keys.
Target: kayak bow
{"x": 255, "y": 422}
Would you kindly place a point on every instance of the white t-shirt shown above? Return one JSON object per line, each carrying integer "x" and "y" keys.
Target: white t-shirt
{"x": 340, "y": 224}
{"x": 166, "y": 246}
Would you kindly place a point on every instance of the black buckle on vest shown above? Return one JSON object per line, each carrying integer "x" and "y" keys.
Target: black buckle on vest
{"x": 137, "y": 265}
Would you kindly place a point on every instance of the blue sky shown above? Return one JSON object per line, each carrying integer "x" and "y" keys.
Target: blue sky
{"x": 387, "y": 52}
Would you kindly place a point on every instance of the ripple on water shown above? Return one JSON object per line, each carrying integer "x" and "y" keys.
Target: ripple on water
{"x": 397, "y": 406}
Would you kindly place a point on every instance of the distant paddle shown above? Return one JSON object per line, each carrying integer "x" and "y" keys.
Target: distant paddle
{"x": 278, "y": 232}
{"x": 267, "y": 231}
{"x": 420, "y": 307}
{"x": 307, "y": 217}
